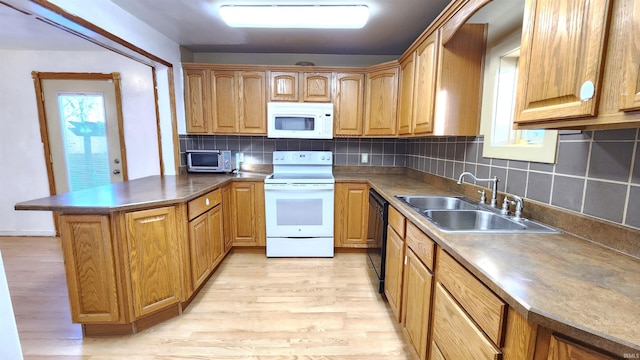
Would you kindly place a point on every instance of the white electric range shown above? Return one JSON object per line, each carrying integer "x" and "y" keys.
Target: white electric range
{"x": 299, "y": 200}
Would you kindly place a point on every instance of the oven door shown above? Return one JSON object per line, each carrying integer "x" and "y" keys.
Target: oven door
{"x": 299, "y": 210}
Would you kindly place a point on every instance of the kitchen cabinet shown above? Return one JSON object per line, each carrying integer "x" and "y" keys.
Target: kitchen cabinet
{"x": 154, "y": 259}
{"x": 316, "y": 86}
{"x": 561, "y": 59}
{"x": 424, "y": 87}
{"x": 554, "y": 91}
{"x": 351, "y": 214}
{"x": 349, "y": 104}
{"x": 283, "y": 86}
{"x": 405, "y": 95}
{"x": 560, "y": 348}
{"x": 394, "y": 262}
{"x": 252, "y": 105}
{"x": 92, "y": 275}
{"x": 248, "y": 213}
{"x": 416, "y": 303}
{"x": 381, "y": 101}
{"x": 454, "y": 332}
{"x": 225, "y": 101}
{"x": 197, "y": 101}
{"x": 226, "y": 218}
{"x": 630, "y": 99}
{"x": 206, "y": 236}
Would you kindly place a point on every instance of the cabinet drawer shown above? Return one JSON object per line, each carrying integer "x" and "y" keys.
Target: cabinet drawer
{"x": 397, "y": 221}
{"x": 421, "y": 244}
{"x": 486, "y": 309}
{"x": 199, "y": 205}
{"x": 455, "y": 334}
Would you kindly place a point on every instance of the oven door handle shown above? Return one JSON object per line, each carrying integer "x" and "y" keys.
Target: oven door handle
{"x": 298, "y": 187}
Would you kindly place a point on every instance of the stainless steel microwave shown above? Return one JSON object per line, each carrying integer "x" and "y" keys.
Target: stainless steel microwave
{"x": 213, "y": 161}
{"x": 291, "y": 120}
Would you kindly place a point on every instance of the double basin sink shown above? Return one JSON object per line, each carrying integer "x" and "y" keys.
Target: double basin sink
{"x": 459, "y": 214}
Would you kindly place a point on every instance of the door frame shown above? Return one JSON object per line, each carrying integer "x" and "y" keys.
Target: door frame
{"x": 42, "y": 116}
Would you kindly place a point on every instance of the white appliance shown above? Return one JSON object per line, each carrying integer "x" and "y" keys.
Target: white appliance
{"x": 300, "y": 120}
{"x": 299, "y": 204}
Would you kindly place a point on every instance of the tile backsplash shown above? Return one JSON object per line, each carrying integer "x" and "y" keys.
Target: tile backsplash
{"x": 597, "y": 173}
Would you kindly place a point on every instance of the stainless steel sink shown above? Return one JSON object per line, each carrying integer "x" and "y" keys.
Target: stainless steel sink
{"x": 437, "y": 202}
{"x": 483, "y": 221}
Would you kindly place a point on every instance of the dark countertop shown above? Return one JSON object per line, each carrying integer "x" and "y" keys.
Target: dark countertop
{"x": 562, "y": 282}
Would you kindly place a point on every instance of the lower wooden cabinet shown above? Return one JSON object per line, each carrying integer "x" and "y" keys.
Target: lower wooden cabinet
{"x": 90, "y": 267}
{"x": 154, "y": 261}
{"x": 226, "y": 217}
{"x": 206, "y": 245}
{"x": 556, "y": 347}
{"x": 394, "y": 265}
{"x": 351, "y": 215}
{"x": 248, "y": 213}
{"x": 416, "y": 303}
{"x": 455, "y": 333}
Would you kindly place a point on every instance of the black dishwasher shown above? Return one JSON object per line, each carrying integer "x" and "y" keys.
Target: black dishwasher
{"x": 377, "y": 235}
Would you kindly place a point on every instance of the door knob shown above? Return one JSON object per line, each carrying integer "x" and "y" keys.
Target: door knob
{"x": 116, "y": 172}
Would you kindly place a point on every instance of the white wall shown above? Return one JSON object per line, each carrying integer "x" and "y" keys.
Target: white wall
{"x": 23, "y": 174}
{"x": 117, "y": 21}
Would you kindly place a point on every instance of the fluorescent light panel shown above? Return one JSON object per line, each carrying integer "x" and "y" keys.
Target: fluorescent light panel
{"x": 296, "y": 17}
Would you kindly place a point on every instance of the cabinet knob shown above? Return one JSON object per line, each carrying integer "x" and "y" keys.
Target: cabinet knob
{"x": 587, "y": 90}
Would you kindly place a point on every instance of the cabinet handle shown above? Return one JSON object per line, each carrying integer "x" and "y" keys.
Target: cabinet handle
{"x": 587, "y": 90}
{"x": 206, "y": 201}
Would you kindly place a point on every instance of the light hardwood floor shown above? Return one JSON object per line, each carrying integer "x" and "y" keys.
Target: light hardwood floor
{"x": 251, "y": 308}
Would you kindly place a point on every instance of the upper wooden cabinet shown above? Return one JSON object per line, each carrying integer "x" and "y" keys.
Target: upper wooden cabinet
{"x": 381, "y": 102}
{"x": 581, "y": 43}
{"x": 631, "y": 95}
{"x": 219, "y": 101}
{"x": 283, "y": 86}
{"x": 348, "y": 104}
{"x": 405, "y": 95}
{"x": 561, "y": 59}
{"x": 197, "y": 100}
{"x": 300, "y": 86}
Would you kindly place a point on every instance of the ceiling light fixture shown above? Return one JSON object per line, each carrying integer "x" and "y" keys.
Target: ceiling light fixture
{"x": 296, "y": 17}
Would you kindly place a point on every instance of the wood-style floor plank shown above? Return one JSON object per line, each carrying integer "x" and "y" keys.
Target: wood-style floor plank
{"x": 252, "y": 308}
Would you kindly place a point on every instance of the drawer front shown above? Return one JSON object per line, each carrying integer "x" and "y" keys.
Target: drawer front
{"x": 486, "y": 309}
{"x": 455, "y": 334}
{"x": 421, "y": 244}
{"x": 397, "y": 221}
{"x": 200, "y": 205}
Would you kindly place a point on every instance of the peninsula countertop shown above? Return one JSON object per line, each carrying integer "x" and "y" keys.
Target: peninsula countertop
{"x": 559, "y": 281}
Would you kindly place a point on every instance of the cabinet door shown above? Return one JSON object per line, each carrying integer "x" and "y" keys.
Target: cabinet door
{"x": 393, "y": 271}
{"x": 416, "y": 303}
{"x": 252, "y": 103}
{"x": 424, "y": 89}
{"x": 349, "y": 104}
{"x": 562, "y": 52}
{"x": 283, "y": 86}
{"x": 316, "y": 87}
{"x": 454, "y": 332}
{"x": 196, "y": 100}
{"x": 224, "y": 105}
{"x": 631, "y": 92}
{"x": 200, "y": 248}
{"x": 351, "y": 215}
{"x": 405, "y": 111}
{"x": 381, "y": 103}
{"x": 215, "y": 219}
{"x": 561, "y": 349}
{"x": 90, "y": 268}
{"x": 226, "y": 218}
{"x": 153, "y": 259}
{"x": 248, "y": 214}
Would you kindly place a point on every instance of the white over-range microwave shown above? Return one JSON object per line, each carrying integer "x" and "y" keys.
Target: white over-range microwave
{"x": 300, "y": 120}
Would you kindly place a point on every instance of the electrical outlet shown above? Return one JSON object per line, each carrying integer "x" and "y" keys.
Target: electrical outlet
{"x": 364, "y": 158}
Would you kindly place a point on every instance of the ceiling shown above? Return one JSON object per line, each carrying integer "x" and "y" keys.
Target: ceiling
{"x": 195, "y": 24}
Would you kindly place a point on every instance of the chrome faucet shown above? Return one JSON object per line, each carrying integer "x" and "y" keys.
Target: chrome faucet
{"x": 494, "y": 187}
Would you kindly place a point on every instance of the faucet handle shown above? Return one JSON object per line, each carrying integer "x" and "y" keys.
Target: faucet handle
{"x": 519, "y": 206}
{"x": 505, "y": 205}
{"x": 483, "y": 197}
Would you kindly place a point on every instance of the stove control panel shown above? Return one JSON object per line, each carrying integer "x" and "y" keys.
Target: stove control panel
{"x": 302, "y": 158}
